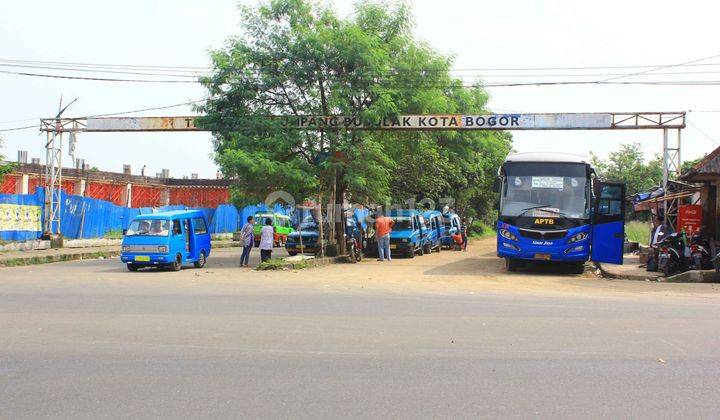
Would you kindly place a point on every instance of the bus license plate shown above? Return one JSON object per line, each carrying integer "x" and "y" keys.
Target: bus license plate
{"x": 142, "y": 258}
{"x": 544, "y": 257}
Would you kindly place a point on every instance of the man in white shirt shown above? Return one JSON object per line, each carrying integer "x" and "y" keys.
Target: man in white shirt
{"x": 267, "y": 240}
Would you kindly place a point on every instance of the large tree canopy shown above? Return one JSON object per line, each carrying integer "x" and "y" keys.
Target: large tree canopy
{"x": 628, "y": 165}
{"x": 297, "y": 57}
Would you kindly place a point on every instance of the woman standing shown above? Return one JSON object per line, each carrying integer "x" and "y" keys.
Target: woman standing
{"x": 248, "y": 239}
{"x": 267, "y": 240}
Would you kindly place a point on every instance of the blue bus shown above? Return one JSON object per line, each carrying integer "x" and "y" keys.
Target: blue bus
{"x": 553, "y": 208}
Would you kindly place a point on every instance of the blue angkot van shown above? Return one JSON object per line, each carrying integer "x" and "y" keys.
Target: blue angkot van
{"x": 168, "y": 239}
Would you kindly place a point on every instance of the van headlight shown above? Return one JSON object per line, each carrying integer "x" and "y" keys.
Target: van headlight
{"x": 126, "y": 248}
{"x": 578, "y": 237}
{"x": 508, "y": 235}
{"x": 162, "y": 249}
{"x": 404, "y": 239}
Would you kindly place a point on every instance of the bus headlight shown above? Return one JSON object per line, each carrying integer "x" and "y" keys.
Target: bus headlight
{"x": 508, "y": 235}
{"x": 578, "y": 237}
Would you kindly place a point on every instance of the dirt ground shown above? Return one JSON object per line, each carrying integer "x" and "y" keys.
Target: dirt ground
{"x": 478, "y": 270}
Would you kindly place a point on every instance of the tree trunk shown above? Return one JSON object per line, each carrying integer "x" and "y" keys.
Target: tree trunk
{"x": 339, "y": 217}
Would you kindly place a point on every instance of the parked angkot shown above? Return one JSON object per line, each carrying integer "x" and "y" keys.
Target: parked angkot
{"x": 452, "y": 225}
{"x": 281, "y": 223}
{"x": 433, "y": 231}
{"x": 407, "y": 233}
{"x": 168, "y": 239}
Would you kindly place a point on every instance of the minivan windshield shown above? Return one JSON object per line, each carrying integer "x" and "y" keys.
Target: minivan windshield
{"x": 148, "y": 227}
{"x": 402, "y": 222}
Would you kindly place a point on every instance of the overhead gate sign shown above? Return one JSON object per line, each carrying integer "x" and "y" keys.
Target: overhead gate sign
{"x": 543, "y": 121}
{"x": 464, "y": 122}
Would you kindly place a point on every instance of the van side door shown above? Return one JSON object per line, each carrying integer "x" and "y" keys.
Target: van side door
{"x": 177, "y": 240}
{"x": 202, "y": 236}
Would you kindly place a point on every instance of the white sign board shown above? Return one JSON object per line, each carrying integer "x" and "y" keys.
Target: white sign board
{"x": 401, "y": 122}
{"x": 465, "y": 122}
{"x": 141, "y": 124}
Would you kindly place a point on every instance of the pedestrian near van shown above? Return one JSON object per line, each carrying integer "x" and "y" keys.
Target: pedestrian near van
{"x": 267, "y": 240}
{"x": 464, "y": 234}
{"x": 248, "y": 238}
{"x": 383, "y": 227}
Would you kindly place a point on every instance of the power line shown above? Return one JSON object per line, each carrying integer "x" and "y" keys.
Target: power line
{"x": 661, "y": 67}
{"x": 195, "y": 69}
{"x": 20, "y": 128}
{"x": 704, "y": 133}
{"x": 97, "y": 79}
{"x": 114, "y": 113}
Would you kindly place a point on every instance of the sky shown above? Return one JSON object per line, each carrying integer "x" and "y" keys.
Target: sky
{"x": 478, "y": 34}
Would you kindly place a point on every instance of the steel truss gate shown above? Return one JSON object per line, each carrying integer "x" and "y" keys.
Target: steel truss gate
{"x": 671, "y": 124}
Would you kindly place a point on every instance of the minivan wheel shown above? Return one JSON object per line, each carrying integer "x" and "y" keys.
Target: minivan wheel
{"x": 132, "y": 267}
{"x": 200, "y": 263}
{"x": 177, "y": 264}
{"x": 421, "y": 250}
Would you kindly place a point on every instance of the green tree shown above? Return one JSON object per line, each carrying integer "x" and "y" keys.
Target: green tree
{"x": 5, "y": 168}
{"x": 688, "y": 164}
{"x": 628, "y": 165}
{"x": 297, "y": 57}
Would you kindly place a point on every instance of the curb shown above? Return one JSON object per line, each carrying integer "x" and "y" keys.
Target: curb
{"x": 634, "y": 277}
{"x": 46, "y": 259}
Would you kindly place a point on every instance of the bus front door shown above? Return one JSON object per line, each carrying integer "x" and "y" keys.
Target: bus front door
{"x": 608, "y": 231}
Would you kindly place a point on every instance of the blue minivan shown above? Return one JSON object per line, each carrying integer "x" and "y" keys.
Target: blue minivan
{"x": 168, "y": 239}
{"x": 407, "y": 233}
{"x": 452, "y": 226}
{"x": 434, "y": 230}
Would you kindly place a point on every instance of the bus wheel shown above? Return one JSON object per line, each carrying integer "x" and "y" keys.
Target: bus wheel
{"x": 511, "y": 264}
{"x": 177, "y": 264}
{"x": 132, "y": 267}
{"x": 577, "y": 268}
{"x": 200, "y": 263}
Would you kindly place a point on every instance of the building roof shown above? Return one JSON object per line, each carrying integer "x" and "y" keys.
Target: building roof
{"x": 546, "y": 157}
{"x": 708, "y": 166}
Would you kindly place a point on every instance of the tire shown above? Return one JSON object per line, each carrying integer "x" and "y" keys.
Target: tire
{"x": 421, "y": 250}
{"x": 411, "y": 253}
{"x": 200, "y": 263}
{"x": 177, "y": 264}
{"x": 428, "y": 248}
{"x": 439, "y": 247}
{"x": 132, "y": 267}
{"x": 577, "y": 268}
{"x": 511, "y": 264}
{"x": 292, "y": 253}
{"x": 351, "y": 254}
{"x": 358, "y": 255}
{"x": 669, "y": 269}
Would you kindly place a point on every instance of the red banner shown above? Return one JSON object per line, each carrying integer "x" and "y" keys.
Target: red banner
{"x": 689, "y": 218}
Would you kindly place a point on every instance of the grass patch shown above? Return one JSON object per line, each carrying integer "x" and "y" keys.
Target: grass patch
{"x": 278, "y": 264}
{"x": 638, "y": 231}
{"x": 480, "y": 230}
{"x": 113, "y": 234}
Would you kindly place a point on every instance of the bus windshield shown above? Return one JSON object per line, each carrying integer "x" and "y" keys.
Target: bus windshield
{"x": 545, "y": 190}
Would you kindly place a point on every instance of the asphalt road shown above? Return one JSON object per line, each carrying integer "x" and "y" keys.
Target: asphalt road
{"x": 444, "y": 335}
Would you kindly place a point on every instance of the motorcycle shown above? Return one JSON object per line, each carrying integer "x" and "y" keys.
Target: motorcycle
{"x": 354, "y": 249}
{"x": 671, "y": 259}
{"x": 700, "y": 254}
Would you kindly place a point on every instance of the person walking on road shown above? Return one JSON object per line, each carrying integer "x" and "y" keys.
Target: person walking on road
{"x": 248, "y": 239}
{"x": 383, "y": 227}
{"x": 267, "y": 240}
